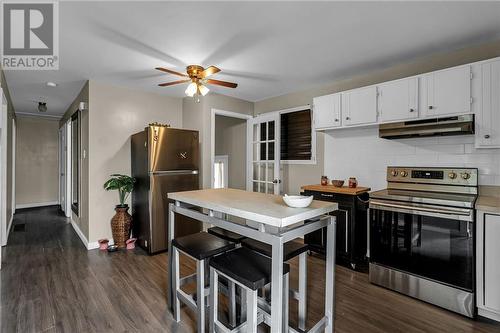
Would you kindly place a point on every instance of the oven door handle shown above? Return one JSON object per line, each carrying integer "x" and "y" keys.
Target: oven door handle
{"x": 459, "y": 214}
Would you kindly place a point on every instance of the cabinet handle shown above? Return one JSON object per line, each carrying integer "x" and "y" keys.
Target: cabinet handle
{"x": 327, "y": 195}
{"x": 336, "y": 120}
{"x": 347, "y": 118}
{"x": 487, "y": 136}
{"x": 431, "y": 107}
{"x": 412, "y": 110}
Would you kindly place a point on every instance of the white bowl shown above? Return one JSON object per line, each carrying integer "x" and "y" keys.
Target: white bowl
{"x": 297, "y": 201}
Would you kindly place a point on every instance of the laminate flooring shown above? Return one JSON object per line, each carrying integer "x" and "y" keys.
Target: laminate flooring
{"x": 49, "y": 282}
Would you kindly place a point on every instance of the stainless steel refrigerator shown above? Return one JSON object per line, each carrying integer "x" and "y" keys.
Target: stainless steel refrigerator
{"x": 163, "y": 160}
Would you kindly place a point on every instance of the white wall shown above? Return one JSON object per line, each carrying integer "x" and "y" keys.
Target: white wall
{"x": 362, "y": 154}
{"x": 115, "y": 114}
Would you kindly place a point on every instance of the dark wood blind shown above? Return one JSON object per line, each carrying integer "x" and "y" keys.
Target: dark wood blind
{"x": 296, "y": 135}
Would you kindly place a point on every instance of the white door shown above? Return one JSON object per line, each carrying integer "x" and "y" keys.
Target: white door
{"x": 62, "y": 168}
{"x": 326, "y": 111}
{"x": 488, "y": 117}
{"x": 263, "y": 139}
{"x": 398, "y": 100}
{"x": 449, "y": 91}
{"x": 359, "y": 106}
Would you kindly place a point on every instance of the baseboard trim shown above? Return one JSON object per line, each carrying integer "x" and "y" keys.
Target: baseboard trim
{"x": 88, "y": 245}
{"x": 9, "y": 225}
{"x": 37, "y": 204}
{"x": 80, "y": 233}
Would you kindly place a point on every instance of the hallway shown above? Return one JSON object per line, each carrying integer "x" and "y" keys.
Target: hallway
{"x": 51, "y": 283}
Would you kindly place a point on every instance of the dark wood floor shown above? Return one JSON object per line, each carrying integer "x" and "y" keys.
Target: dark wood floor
{"x": 51, "y": 283}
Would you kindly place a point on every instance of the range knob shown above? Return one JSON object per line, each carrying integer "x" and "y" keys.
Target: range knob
{"x": 394, "y": 173}
{"x": 465, "y": 175}
{"x": 452, "y": 175}
{"x": 403, "y": 173}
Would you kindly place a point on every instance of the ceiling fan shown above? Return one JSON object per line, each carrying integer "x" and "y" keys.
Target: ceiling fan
{"x": 198, "y": 76}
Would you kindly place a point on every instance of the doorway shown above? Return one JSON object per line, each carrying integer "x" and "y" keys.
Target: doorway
{"x": 228, "y": 149}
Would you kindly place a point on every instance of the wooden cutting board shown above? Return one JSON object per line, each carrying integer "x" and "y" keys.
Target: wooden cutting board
{"x": 332, "y": 189}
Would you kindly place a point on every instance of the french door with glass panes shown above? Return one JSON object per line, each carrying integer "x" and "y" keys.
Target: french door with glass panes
{"x": 264, "y": 154}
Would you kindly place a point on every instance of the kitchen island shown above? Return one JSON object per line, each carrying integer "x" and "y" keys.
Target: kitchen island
{"x": 270, "y": 221}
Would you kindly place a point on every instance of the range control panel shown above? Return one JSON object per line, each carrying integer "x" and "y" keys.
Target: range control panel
{"x": 423, "y": 175}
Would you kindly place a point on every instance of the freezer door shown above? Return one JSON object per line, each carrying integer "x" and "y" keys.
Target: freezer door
{"x": 161, "y": 185}
{"x": 173, "y": 149}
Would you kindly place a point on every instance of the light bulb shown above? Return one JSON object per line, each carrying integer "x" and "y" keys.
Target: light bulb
{"x": 203, "y": 90}
{"x": 191, "y": 89}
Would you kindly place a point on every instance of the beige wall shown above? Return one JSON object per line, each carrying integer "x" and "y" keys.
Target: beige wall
{"x": 197, "y": 116}
{"x": 10, "y": 158}
{"x": 82, "y": 219}
{"x": 114, "y": 115}
{"x": 230, "y": 140}
{"x": 37, "y": 167}
{"x": 297, "y": 175}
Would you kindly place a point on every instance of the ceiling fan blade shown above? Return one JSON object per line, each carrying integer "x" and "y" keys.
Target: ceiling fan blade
{"x": 171, "y": 71}
{"x": 209, "y": 71}
{"x": 173, "y": 82}
{"x": 222, "y": 83}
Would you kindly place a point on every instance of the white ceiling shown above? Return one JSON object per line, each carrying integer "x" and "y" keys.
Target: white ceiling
{"x": 268, "y": 48}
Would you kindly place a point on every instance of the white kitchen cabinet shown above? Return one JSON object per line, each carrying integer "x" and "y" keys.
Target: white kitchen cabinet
{"x": 487, "y": 267}
{"x": 448, "y": 92}
{"x": 359, "y": 106}
{"x": 398, "y": 100}
{"x": 327, "y": 111}
{"x": 488, "y": 113}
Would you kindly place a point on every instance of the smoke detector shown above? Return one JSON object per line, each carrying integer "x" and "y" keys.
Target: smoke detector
{"x": 42, "y": 107}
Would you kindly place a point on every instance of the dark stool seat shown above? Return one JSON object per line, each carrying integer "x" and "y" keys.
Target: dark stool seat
{"x": 247, "y": 267}
{"x": 226, "y": 234}
{"x": 291, "y": 249}
{"x": 202, "y": 245}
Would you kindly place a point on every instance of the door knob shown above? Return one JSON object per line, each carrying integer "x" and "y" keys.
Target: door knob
{"x": 347, "y": 118}
{"x": 412, "y": 110}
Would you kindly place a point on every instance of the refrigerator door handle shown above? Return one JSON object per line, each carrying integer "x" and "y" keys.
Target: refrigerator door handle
{"x": 174, "y": 172}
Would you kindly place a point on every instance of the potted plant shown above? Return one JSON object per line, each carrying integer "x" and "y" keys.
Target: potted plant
{"x": 121, "y": 222}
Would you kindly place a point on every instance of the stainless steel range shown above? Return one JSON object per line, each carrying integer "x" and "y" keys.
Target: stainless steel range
{"x": 422, "y": 235}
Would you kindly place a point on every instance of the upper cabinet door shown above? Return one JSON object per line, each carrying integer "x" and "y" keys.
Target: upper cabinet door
{"x": 449, "y": 91}
{"x": 359, "y": 106}
{"x": 326, "y": 111}
{"x": 398, "y": 100}
{"x": 488, "y": 115}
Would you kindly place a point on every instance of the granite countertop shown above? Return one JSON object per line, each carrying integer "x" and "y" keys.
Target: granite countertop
{"x": 489, "y": 199}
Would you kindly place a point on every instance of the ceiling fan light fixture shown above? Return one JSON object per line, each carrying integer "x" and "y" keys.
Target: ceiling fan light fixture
{"x": 191, "y": 89}
{"x": 203, "y": 90}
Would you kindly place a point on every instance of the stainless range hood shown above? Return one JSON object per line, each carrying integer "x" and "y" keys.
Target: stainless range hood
{"x": 458, "y": 125}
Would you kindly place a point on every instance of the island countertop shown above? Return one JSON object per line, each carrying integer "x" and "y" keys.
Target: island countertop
{"x": 259, "y": 207}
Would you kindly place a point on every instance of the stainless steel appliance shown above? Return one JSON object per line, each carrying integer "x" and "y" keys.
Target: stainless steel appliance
{"x": 163, "y": 160}
{"x": 422, "y": 235}
{"x": 456, "y": 125}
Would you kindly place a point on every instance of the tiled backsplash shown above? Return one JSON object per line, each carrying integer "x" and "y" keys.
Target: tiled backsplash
{"x": 362, "y": 154}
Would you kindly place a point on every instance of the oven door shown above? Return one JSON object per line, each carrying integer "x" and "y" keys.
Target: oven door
{"x": 434, "y": 242}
